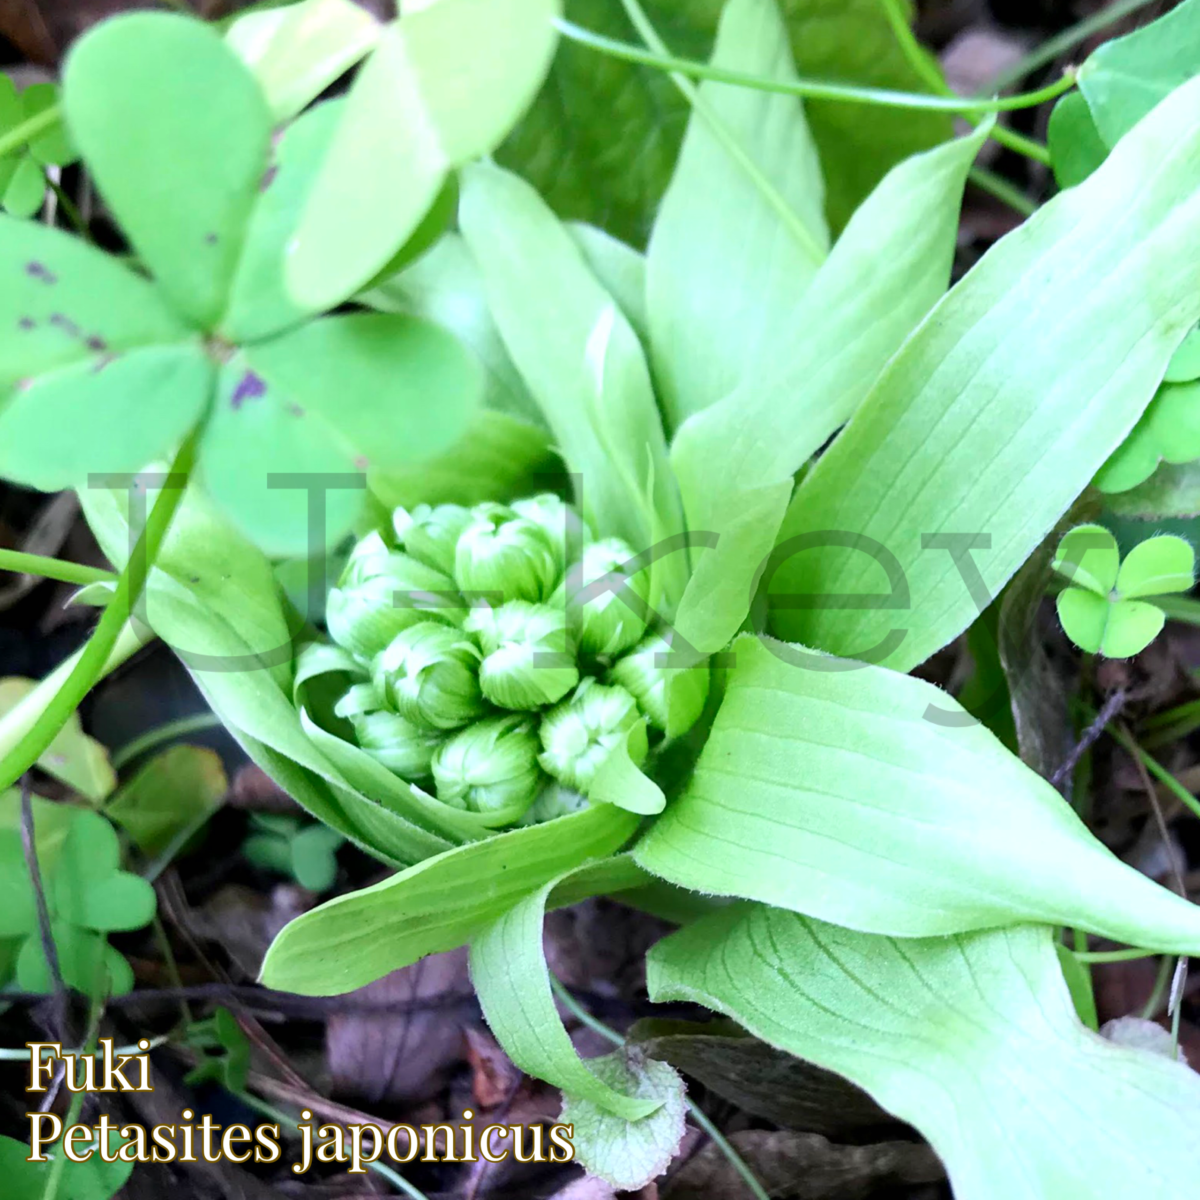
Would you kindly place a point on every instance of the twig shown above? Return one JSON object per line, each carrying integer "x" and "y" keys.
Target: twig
{"x": 1111, "y": 708}
{"x": 45, "y": 932}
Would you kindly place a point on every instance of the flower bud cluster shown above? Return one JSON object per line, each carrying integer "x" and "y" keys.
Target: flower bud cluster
{"x": 506, "y": 656}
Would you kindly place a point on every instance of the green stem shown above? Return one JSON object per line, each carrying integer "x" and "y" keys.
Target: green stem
{"x": 381, "y": 1169}
{"x": 1179, "y": 608}
{"x": 812, "y": 88}
{"x": 729, "y": 142}
{"x": 697, "y": 1114}
{"x": 1050, "y": 49}
{"x": 1165, "y": 970}
{"x": 22, "y": 1055}
{"x": 998, "y": 186}
{"x": 92, "y": 662}
{"x": 21, "y": 563}
{"x": 1113, "y": 956}
{"x": 70, "y": 208}
{"x": 163, "y": 733}
{"x": 930, "y": 73}
{"x": 59, "y": 1162}
{"x": 23, "y": 134}
{"x": 1157, "y": 770}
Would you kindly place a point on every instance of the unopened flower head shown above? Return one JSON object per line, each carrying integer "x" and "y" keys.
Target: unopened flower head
{"x": 557, "y": 518}
{"x": 405, "y": 748}
{"x": 506, "y": 557}
{"x": 381, "y": 593}
{"x": 429, "y": 674}
{"x": 430, "y": 534}
{"x": 605, "y": 600}
{"x": 490, "y": 767}
{"x": 579, "y": 734}
{"x": 528, "y": 661}
{"x": 672, "y": 697}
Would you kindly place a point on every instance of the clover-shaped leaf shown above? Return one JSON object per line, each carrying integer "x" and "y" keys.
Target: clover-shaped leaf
{"x": 87, "y": 894}
{"x": 177, "y": 133}
{"x": 22, "y": 176}
{"x": 1169, "y": 430}
{"x": 94, "y": 1179}
{"x": 1103, "y": 611}
{"x": 226, "y": 1051}
{"x": 308, "y": 853}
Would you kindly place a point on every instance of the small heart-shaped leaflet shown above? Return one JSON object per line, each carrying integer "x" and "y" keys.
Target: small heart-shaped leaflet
{"x": 88, "y": 887}
{"x": 18, "y": 908}
{"x": 1088, "y": 557}
{"x": 86, "y": 960}
{"x": 175, "y": 130}
{"x": 22, "y": 181}
{"x": 1157, "y": 566}
{"x": 445, "y": 85}
{"x": 296, "y": 52}
{"x": 1169, "y": 431}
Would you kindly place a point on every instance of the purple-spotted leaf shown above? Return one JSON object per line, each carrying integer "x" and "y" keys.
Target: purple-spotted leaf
{"x": 113, "y": 414}
{"x": 175, "y": 130}
{"x": 259, "y": 305}
{"x": 444, "y": 86}
{"x": 334, "y": 396}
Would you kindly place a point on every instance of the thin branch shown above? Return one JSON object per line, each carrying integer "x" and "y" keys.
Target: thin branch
{"x": 1111, "y": 708}
{"x": 45, "y": 931}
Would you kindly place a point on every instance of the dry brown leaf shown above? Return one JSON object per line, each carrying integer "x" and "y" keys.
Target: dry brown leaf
{"x": 804, "y": 1166}
{"x": 401, "y": 1055}
{"x": 493, "y": 1075}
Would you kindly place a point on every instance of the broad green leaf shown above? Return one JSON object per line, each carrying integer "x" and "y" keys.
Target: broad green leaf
{"x": 1088, "y": 557}
{"x": 73, "y": 758}
{"x": 298, "y": 51}
{"x": 868, "y": 798}
{"x": 499, "y": 457}
{"x": 601, "y": 140}
{"x": 1159, "y": 564}
{"x": 1172, "y": 491}
{"x": 757, "y": 1077}
{"x": 1126, "y": 77}
{"x": 1075, "y": 145}
{"x": 971, "y": 1039}
{"x": 735, "y": 461}
{"x": 446, "y": 286}
{"x": 112, "y": 415}
{"x": 619, "y": 781}
{"x": 259, "y": 305}
{"x": 173, "y": 793}
{"x": 332, "y": 397}
{"x": 980, "y": 433}
{"x": 621, "y": 271}
{"x": 1185, "y": 362}
{"x": 577, "y": 353}
{"x": 174, "y": 129}
{"x": 731, "y": 255}
{"x": 436, "y": 905}
{"x": 444, "y": 85}
{"x": 508, "y": 969}
{"x": 68, "y": 303}
{"x": 628, "y": 1154}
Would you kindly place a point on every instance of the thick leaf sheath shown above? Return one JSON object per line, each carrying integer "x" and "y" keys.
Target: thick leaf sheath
{"x": 870, "y": 799}
{"x": 973, "y": 1039}
{"x": 997, "y": 412}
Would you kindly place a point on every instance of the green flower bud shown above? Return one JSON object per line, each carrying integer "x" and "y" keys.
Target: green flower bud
{"x": 677, "y": 693}
{"x": 555, "y": 800}
{"x": 490, "y": 767}
{"x": 528, "y": 661}
{"x": 404, "y": 748}
{"x": 428, "y": 675}
{"x": 508, "y": 555}
{"x": 579, "y": 735}
{"x": 556, "y": 517}
{"x": 382, "y": 592}
{"x": 430, "y": 534}
{"x": 605, "y": 621}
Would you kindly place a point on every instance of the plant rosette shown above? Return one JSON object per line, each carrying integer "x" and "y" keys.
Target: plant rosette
{"x": 886, "y": 853}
